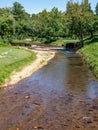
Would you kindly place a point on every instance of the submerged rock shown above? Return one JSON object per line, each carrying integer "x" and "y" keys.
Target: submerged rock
{"x": 26, "y": 97}
{"x": 87, "y": 120}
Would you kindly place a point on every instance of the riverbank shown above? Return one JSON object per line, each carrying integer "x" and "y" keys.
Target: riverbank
{"x": 89, "y": 55}
{"x": 13, "y": 59}
{"x": 43, "y": 56}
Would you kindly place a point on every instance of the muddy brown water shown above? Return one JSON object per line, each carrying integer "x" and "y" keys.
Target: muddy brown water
{"x": 62, "y": 95}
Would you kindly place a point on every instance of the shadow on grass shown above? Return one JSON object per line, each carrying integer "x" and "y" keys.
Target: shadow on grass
{"x": 90, "y": 40}
{"x": 49, "y": 41}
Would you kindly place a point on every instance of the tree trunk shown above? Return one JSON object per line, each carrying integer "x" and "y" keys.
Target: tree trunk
{"x": 2, "y": 36}
{"x": 81, "y": 39}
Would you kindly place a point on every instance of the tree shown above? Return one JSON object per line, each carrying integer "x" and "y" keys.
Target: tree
{"x": 22, "y": 21}
{"x": 89, "y": 8}
{"x": 49, "y": 25}
{"x": 80, "y": 19}
{"x": 7, "y": 23}
{"x": 86, "y": 3}
{"x": 96, "y": 24}
{"x": 18, "y": 11}
{"x": 96, "y": 9}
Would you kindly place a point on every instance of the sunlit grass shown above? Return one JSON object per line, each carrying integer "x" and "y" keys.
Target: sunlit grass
{"x": 25, "y": 41}
{"x": 90, "y": 55}
{"x": 13, "y": 59}
{"x": 63, "y": 42}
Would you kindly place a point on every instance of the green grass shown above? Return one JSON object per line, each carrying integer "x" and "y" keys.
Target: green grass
{"x": 26, "y": 41}
{"x": 63, "y": 42}
{"x": 90, "y": 54}
{"x": 13, "y": 59}
{"x": 3, "y": 42}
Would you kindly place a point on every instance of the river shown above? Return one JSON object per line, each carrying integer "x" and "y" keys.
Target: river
{"x": 63, "y": 95}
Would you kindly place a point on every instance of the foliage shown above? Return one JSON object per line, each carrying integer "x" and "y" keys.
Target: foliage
{"x": 63, "y": 42}
{"x": 6, "y": 23}
{"x": 22, "y": 18}
{"x": 96, "y": 9}
{"x": 21, "y": 42}
{"x": 80, "y": 19}
{"x": 90, "y": 55}
{"x": 47, "y": 26}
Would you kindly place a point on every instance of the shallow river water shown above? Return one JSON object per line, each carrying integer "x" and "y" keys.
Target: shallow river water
{"x": 62, "y": 95}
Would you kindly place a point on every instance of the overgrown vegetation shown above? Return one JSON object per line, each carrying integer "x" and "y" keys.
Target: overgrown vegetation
{"x": 76, "y": 22}
{"x": 90, "y": 54}
{"x": 19, "y": 41}
{"x": 13, "y": 59}
{"x": 63, "y": 42}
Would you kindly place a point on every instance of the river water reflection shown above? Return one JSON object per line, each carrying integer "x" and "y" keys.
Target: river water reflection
{"x": 60, "y": 96}
{"x": 66, "y": 72}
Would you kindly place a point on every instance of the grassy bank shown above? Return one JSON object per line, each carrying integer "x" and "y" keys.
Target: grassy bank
{"x": 28, "y": 41}
{"x": 63, "y": 42}
{"x": 90, "y": 54}
{"x": 55, "y": 41}
{"x": 13, "y": 59}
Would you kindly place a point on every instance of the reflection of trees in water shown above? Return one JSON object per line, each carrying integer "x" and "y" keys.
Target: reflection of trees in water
{"x": 92, "y": 90}
{"x": 77, "y": 74}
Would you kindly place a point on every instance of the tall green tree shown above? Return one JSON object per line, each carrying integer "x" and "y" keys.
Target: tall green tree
{"x": 80, "y": 19}
{"x": 49, "y": 25}
{"x": 22, "y": 20}
{"x": 7, "y": 23}
{"x": 96, "y": 9}
{"x": 18, "y": 11}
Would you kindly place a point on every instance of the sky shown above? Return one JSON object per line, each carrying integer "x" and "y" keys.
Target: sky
{"x": 36, "y": 6}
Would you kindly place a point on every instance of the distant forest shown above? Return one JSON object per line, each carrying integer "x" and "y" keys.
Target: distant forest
{"x": 78, "y": 21}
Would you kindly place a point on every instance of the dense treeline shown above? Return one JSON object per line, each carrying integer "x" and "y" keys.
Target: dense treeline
{"x": 76, "y": 22}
